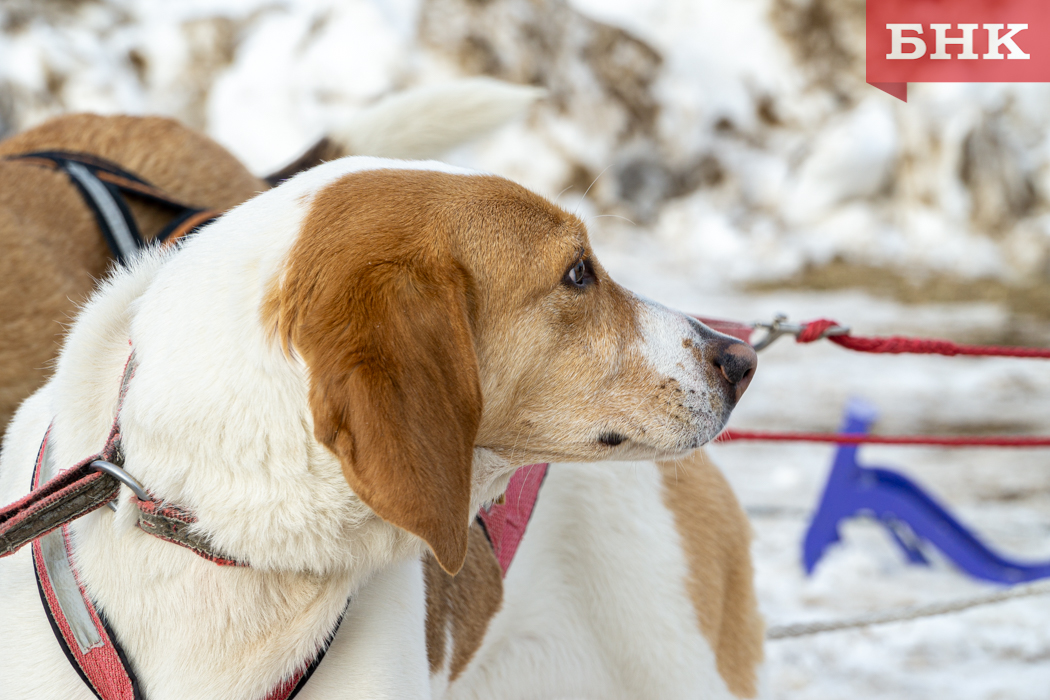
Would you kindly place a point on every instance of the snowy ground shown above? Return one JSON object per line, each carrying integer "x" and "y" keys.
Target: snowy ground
{"x": 767, "y": 153}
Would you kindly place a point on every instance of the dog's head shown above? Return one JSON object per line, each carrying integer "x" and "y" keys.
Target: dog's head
{"x": 438, "y": 313}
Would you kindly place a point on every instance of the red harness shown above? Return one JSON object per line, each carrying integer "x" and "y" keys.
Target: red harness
{"x": 43, "y": 517}
{"x": 505, "y": 522}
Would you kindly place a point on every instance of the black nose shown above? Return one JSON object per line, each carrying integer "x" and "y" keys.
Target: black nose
{"x": 737, "y": 362}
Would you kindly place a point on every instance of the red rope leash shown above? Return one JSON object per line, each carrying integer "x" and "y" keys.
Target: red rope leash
{"x": 844, "y": 439}
{"x": 814, "y": 330}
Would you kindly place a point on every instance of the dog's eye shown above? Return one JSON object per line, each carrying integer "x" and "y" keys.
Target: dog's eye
{"x": 579, "y": 275}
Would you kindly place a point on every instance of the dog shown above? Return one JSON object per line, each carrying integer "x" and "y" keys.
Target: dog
{"x": 333, "y": 378}
{"x": 53, "y": 252}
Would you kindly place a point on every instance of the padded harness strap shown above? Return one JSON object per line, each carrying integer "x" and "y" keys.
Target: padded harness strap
{"x": 66, "y": 497}
{"x": 82, "y": 630}
{"x": 172, "y": 524}
{"x": 102, "y": 184}
{"x": 504, "y": 523}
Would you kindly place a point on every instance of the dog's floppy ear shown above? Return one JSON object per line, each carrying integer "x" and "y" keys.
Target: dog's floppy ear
{"x": 394, "y": 388}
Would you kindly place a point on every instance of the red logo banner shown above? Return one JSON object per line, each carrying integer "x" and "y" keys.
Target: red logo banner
{"x": 956, "y": 41}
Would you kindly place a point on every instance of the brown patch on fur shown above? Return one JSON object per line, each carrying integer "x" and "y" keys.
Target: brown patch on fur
{"x": 716, "y": 538}
{"x": 461, "y": 606}
{"x": 412, "y": 294}
{"x": 52, "y": 249}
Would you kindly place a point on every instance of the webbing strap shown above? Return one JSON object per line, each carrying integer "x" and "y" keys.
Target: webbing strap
{"x": 113, "y": 217}
{"x": 66, "y": 497}
{"x": 173, "y": 524}
{"x": 83, "y": 635}
{"x": 505, "y": 523}
{"x": 59, "y": 498}
{"x": 102, "y": 184}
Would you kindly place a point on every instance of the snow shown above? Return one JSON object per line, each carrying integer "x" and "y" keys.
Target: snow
{"x": 799, "y": 163}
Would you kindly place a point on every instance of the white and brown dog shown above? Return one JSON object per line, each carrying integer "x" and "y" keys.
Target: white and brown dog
{"x": 337, "y": 375}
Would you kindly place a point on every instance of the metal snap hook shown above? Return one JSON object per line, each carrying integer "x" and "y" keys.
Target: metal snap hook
{"x": 780, "y": 327}
{"x": 101, "y": 465}
{"x": 774, "y": 330}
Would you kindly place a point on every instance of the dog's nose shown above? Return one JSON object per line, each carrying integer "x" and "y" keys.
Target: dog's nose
{"x": 737, "y": 361}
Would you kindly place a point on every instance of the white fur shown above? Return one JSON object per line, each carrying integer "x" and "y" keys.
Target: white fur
{"x": 663, "y": 331}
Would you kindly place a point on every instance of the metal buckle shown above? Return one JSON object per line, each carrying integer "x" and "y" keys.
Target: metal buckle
{"x": 101, "y": 465}
{"x": 780, "y": 327}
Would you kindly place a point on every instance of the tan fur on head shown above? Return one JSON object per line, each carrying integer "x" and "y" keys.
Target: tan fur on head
{"x": 380, "y": 296}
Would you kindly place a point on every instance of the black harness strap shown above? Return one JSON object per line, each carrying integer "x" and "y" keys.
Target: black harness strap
{"x": 103, "y": 185}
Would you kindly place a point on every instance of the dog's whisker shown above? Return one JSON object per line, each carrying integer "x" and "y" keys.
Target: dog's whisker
{"x": 612, "y": 216}
{"x": 588, "y": 190}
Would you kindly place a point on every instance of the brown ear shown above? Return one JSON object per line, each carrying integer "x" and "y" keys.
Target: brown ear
{"x": 394, "y": 387}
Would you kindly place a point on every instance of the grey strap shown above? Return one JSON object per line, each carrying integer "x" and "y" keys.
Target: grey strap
{"x": 125, "y": 241}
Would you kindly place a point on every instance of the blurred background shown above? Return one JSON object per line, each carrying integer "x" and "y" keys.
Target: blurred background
{"x": 730, "y": 161}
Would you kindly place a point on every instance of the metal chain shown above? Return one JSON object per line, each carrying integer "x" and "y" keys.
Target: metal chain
{"x": 803, "y": 629}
